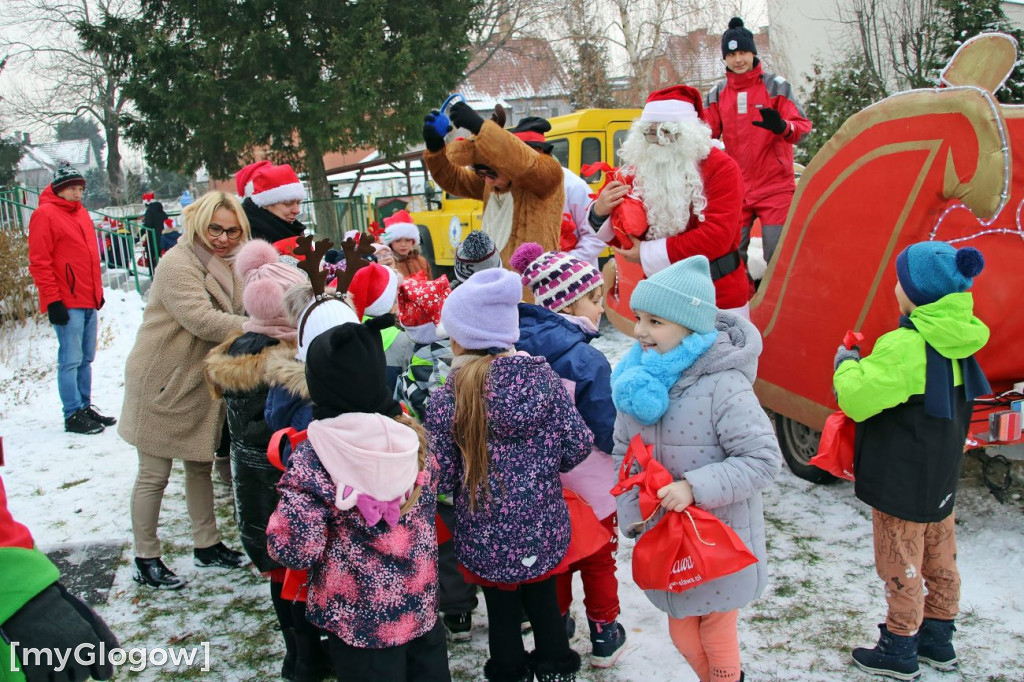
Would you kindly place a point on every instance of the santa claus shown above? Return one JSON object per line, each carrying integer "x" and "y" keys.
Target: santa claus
{"x": 691, "y": 191}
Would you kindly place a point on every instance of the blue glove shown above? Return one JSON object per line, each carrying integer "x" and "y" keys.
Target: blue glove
{"x": 433, "y": 138}
{"x": 844, "y": 354}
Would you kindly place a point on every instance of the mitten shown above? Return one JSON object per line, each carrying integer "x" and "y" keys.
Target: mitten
{"x": 844, "y": 354}
{"x": 57, "y": 313}
{"x": 57, "y": 619}
{"x": 463, "y": 116}
{"x": 770, "y": 120}
{"x": 435, "y": 142}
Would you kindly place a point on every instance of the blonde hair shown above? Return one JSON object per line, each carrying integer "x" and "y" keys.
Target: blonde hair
{"x": 199, "y": 214}
{"x": 469, "y": 427}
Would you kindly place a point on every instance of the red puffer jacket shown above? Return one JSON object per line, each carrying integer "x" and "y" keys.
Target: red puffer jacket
{"x": 64, "y": 259}
{"x": 765, "y": 158}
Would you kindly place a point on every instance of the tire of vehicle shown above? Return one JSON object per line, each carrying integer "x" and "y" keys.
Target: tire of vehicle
{"x": 799, "y": 443}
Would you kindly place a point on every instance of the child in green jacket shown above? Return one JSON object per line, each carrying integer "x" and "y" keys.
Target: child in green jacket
{"x": 912, "y": 400}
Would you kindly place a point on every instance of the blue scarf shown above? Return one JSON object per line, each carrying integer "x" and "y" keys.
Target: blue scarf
{"x": 641, "y": 380}
{"x": 938, "y": 384}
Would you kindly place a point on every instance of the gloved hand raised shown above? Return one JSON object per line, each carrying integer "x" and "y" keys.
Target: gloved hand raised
{"x": 434, "y": 140}
{"x": 770, "y": 120}
{"x": 58, "y": 313}
{"x": 57, "y": 619}
{"x": 844, "y": 354}
{"x": 463, "y": 116}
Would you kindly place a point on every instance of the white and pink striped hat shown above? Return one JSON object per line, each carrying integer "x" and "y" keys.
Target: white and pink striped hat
{"x": 556, "y": 278}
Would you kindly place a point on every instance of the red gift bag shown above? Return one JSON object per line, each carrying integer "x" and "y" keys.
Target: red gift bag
{"x": 628, "y": 218}
{"x": 835, "y": 449}
{"x": 684, "y": 549}
{"x": 567, "y": 238}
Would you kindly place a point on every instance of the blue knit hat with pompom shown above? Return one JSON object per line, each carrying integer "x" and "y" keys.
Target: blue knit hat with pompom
{"x": 927, "y": 271}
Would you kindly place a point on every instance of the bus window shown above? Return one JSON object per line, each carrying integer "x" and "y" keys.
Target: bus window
{"x": 560, "y": 150}
{"x": 590, "y": 152}
{"x": 617, "y": 140}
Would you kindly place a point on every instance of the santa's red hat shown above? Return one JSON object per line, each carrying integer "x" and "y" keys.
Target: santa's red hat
{"x": 674, "y": 104}
{"x": 243, "y": 176}
{"x": 269, "y": 184}
{"x": 400, "y": 226}
{"x": 148, "y": 197}
{"x": 374, "y": 289}
{"x": 419, "y": 307}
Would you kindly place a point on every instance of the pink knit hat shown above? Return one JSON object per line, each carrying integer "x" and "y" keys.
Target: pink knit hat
{"x": 557, "y": 279}
{"x": 266, "y": 279}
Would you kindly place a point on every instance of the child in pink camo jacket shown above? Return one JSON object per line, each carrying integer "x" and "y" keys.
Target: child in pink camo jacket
{"x": 357, "y": 511}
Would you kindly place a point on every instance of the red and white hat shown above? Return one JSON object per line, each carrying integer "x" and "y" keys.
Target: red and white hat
{"x": 419, "y": 307}
{"x": 148, "y": 197}
{"x": 268, "y": 184}
{"x": 400, "y": 226}
{"x": 374, "y": 289}
{"x": 675, "y": 104}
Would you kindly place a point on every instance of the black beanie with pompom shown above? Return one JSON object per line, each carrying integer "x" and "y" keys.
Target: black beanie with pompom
{"x": 737, "y": 38}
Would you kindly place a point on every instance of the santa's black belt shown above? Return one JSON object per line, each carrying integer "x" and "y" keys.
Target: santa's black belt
{"x": 720, "y": 267}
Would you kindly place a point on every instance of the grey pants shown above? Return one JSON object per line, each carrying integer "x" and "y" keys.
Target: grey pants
{"x": 148, "y": 495}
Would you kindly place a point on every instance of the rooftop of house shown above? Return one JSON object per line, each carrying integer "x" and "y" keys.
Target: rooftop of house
{"x": 522, "y": 68}
{"x": 76, "y": 152}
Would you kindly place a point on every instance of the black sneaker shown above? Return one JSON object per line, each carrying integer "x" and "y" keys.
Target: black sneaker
{"x": 607, "y": 640}
{"x": 218, "y": 555}
{"x": 459, "y": 626}
{"x": 570, "y": 624}
{"x": 92, "y": 414}
{"x": 153, "y": 573}
{"x": 81, "y": 422}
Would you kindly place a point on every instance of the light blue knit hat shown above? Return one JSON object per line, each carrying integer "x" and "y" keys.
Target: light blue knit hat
{"x": 682, "y": 293}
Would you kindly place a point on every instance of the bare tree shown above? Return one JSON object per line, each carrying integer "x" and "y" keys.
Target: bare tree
{"x": 67, "y": 80}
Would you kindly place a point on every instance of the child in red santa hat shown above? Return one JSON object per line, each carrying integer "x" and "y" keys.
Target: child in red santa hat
{"x": 402, "y": 236}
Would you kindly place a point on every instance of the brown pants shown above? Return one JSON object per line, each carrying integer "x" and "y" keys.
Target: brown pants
{"x": 910, "y": 557}
{"x": 148, "y": 495}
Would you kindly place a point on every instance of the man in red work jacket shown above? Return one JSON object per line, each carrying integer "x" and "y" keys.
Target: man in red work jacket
{"x": 758, "y": 118}
{"x": 64, "y": 262}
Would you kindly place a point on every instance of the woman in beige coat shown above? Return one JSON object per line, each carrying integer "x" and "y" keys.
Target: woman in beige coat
{"x": 194, "y": 304}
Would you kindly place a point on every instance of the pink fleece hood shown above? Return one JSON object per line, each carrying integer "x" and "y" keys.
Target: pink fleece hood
{"x": 373, "y": 461}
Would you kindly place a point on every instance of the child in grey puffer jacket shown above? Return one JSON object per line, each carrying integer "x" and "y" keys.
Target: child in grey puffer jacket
{"x": 686, "y": 388}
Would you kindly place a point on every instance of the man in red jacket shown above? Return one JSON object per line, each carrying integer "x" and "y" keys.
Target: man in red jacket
{"x": 64, "y": 261}
{"x": 757, "y": 116}
{"x": 692, "y": 193}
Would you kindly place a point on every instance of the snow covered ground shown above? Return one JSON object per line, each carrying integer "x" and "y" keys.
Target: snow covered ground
{"x": 824, "y": 598}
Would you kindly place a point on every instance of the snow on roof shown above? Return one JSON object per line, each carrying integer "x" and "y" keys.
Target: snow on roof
{"x": 697, "y": 56}
{"x": 523, "y": 68}
{"x": 34, "y": 158}
{"x": 76, "y": 152}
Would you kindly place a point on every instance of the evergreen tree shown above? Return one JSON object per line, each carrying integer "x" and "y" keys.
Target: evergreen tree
{"x": 968, "y": 18}
{"x": 836, "y": 94}
{"x": 211, "y": 81}
{"x": 10, "y": 155}
{"x": 589, "y": 77}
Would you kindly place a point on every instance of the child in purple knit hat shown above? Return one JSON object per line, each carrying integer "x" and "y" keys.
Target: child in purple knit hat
{"x": 568, "y": 292}
{"x": 501, "y": 465}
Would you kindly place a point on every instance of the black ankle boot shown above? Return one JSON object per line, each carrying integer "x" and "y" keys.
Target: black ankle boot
{"x": 312, "y": 661}
{"x": 218, "y": 555}
{"x": 935, "y": 644}
{"x": 894, "y": 656}
{"x": 153, "y": 573}
{"x": 283, "y": 611}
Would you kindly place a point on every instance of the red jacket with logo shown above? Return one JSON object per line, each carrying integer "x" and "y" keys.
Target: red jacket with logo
{"x": 64, "y": 259}
{"x": 766, "y": 159}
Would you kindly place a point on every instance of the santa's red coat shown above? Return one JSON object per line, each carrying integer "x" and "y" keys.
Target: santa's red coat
{"x": 719, "y": 233}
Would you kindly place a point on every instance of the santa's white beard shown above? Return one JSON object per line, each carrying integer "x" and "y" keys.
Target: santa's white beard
{"x": 666, "y": 177}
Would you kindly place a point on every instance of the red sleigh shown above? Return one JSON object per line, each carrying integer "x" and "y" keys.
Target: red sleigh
{"x": 944, "y": 163}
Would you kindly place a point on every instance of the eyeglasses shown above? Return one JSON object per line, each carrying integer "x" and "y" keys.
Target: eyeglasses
{"x": 485, "y": 172}
{"x": 233, "y": 233}
{"x": 651, "y": 135}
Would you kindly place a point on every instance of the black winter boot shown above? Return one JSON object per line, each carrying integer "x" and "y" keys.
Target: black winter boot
{"x": 894, "y": 656}
{"x": 494, "y": 673}
{"x": 935, "y": 644}
{"x": 563, "y": 670}
{"x": 283, "y": 611}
